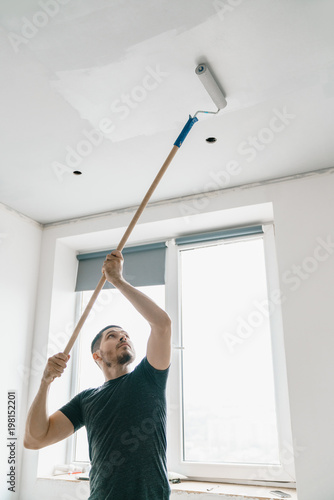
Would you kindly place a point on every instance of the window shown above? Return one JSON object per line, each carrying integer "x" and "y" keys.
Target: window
{"x": 230, "y": 416}
{"x": 229, "y": 413}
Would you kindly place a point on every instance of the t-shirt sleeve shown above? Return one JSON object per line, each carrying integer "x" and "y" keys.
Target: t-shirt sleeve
{"x": 158, "y": 377}
{"x": 73, "y": 411}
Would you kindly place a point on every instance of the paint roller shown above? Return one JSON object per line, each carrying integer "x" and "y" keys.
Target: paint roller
{"x": 212, "y": 88}
{"x": 217, "y": 96}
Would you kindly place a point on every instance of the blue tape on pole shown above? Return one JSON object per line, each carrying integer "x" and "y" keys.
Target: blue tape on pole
{"x": 185, "y": 131}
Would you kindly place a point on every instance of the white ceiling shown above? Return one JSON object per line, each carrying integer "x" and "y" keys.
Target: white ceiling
{"x": 75, "y": 71}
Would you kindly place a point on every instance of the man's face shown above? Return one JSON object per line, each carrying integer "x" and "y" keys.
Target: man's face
{"x": 116, "y": 347}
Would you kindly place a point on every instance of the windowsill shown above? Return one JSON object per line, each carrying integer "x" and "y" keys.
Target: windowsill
{"x": 238, "y": 491}
{"x": 60, "y": 477}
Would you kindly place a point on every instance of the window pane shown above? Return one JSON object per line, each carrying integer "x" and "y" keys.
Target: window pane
{"x": 110, "y": 308}
{"x": 228, "y": 387}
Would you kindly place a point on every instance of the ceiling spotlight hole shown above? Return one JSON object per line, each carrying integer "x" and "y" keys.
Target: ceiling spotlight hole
{"x": 211, "y": 139}
{"x": 77, "y": 172}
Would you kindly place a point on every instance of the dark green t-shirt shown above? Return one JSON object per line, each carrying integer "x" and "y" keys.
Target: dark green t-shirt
{"x": 125, "y": 420}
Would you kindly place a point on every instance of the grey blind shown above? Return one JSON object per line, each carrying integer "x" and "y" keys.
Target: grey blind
{"x": 219, "y": 235}
{"x": 143, "y": 265}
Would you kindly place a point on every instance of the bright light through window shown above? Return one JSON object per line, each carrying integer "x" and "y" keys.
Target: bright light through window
{"x": 229, "y": 413}
{"x": 111, "y": 308}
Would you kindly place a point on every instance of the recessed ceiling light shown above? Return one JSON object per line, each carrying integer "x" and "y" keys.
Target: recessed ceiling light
{"x": 211, "y": 139}
{"x": 77, "y": 172}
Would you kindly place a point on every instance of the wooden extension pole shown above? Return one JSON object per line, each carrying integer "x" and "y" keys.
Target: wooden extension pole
{"x": 120, "y": 247}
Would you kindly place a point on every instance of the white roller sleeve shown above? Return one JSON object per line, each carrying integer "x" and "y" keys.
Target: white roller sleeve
{"x": 211, "y": 86}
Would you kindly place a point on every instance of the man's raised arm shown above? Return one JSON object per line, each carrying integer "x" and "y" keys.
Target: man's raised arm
{"x": 159, "y": 342}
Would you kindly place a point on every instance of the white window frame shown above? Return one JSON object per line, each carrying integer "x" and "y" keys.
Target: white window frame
{"x": 235, "y": 472}
{"x": 256, "y": 474}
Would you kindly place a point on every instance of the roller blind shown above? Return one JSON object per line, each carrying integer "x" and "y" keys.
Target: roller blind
{"x": 143, "y": 265}
{"x": 219, "y": 235}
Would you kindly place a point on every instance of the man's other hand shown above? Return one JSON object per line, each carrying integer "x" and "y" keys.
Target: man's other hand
{"x": 55, "y": 367}
{"x": 113, "y": 266}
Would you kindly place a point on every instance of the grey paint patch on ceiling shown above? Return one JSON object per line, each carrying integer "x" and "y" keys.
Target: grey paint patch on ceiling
{"x": 96, "y": 52}
{"x": 130, "y": 87}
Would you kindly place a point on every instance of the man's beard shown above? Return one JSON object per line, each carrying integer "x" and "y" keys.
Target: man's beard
{"x": 125, "y": 357}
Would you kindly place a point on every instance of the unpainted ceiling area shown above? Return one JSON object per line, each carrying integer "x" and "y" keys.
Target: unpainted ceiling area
{"x": 104, "y": 87}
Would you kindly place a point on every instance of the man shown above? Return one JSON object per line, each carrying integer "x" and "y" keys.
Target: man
{"x": 125, "y": 418}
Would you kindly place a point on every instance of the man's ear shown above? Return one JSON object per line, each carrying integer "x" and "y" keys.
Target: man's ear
{"x": 96, "y": 356}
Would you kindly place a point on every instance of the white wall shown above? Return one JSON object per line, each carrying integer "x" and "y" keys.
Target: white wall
{"x": 303, "y": 211}
{"x": 20, "y": 240}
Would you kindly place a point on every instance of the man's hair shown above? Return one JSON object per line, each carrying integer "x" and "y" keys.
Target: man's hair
{"x": 95, "y": 345}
